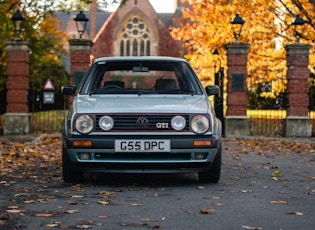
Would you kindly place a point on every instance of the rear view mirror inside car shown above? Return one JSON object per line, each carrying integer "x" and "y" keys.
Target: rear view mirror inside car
{"x": 140, "y": 69}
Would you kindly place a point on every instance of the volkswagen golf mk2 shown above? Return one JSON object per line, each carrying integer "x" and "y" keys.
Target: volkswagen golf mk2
{"x": 141, "y": 115}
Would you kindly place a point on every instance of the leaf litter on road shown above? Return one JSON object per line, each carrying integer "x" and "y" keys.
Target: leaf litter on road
{"x": 23, "y": 158}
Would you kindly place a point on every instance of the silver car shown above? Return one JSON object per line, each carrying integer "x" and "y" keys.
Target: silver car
{"x": 141, "y": 115}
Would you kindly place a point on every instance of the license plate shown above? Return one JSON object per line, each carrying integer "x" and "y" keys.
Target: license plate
{"x": 142, "y": 145}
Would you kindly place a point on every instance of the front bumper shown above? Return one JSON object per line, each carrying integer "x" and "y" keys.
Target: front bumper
{"x": 183, "y": 156}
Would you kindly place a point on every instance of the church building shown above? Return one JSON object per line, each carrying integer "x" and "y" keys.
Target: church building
{"x": 134, "y": 29}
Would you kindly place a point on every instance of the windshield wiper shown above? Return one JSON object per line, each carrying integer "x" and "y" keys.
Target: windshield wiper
{"x": 177, "y": 91}
{"x": 188, "y": 91}
{"x": 140, "y": 92}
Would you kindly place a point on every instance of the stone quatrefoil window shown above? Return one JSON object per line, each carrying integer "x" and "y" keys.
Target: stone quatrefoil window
{"x": 135, "y": 38}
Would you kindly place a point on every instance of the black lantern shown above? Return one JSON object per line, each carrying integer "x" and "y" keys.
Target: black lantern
{"x": 297, "y": 22}
{"x": 237, "y": 26}
{"x": 81, "y": 18}
{"x": 17, "y": 19}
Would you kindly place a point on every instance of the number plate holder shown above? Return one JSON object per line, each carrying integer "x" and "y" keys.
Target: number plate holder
{"x": 152, "y": 145}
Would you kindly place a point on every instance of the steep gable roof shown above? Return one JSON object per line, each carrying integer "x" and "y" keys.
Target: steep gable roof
{"x": 101, "y": 18}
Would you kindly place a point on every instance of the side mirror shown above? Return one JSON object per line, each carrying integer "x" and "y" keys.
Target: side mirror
{"x": 68, "y": 89}
{"x": 212, "y": 90}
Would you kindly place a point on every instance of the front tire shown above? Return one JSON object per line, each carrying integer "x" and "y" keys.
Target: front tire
{"x": 70, "y": 172}
{"x": 213, "y": 174}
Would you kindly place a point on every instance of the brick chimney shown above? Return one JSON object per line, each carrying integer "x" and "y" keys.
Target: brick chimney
{"x": 93, "y": 10}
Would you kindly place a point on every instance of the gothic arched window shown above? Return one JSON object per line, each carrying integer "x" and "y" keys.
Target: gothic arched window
{"x": 135, "y": 38}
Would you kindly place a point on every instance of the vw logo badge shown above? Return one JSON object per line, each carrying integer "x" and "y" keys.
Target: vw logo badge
{"x": 142, "y": 122}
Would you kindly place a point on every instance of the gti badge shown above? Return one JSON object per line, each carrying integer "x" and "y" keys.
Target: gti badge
{"x": 161, "y": 125}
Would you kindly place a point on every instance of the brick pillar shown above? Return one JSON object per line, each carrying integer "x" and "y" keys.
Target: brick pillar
{"x": 80, "y": 52}
{"x": 17, "y": 118}
{"x": 237, "y": 123}
{"x": 298, "y": 122}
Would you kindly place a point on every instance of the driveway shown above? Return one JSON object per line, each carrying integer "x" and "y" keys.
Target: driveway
{"x": 266, "y": 183}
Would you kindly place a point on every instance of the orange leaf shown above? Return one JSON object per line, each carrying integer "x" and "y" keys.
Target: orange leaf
{"x": 207, "y": 211}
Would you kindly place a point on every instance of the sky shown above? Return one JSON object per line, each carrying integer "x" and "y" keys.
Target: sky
{"x": 160, "y": 6}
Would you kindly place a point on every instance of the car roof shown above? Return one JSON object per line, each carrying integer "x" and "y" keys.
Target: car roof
{"x": 141, "y": 58}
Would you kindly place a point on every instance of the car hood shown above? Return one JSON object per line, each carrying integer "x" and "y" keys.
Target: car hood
{"x": 141, "y": 104}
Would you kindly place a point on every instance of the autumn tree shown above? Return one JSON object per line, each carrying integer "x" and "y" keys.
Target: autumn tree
{"x": 206, "y": 26}
{"x": 44, "y": 32}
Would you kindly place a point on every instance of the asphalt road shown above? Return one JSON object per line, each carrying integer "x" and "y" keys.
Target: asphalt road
{"x": 262, "y": 187}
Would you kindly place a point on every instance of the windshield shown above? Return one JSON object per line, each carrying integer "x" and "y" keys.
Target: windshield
{"x": 140, "y": 77}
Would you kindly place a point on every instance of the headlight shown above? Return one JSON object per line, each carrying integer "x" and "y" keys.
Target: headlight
{"x": 178, "y": 123}
{"x": 84, "y": 124}
{"x": 199, "y": 124}
{"x": 106, "y": 123}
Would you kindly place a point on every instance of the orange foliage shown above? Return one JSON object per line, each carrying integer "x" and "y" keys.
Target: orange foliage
{"x": 206, "y": 25}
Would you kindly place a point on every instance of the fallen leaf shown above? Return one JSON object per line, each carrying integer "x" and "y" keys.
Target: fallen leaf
{"x": 276, "y": 173}
{"x": 106, "y": 193}
{"x": 136, "y": 205}
{"x": 218, "y": 205}
{"x": 146, "y": 220}
{"x": 296, "y": 213}
{"x": 251, "y": 228}
{"x": 44, "y": 214}
{"x": 71, "y": 211}
{"x": 70, "y": 202}
{"x": 51, "y": 225}
{"x": 103, "y": 202}
{"x": 237, "y": 157}
{"x": 279, "y": 202}
{"x": 15, "y": 210}
{"x": 5, "y": 216}
{"x": 207, "y": 211}
{"x": 191, "y": 211}
{"x": 84, "y": 226}
{"x": 29, "y": 201}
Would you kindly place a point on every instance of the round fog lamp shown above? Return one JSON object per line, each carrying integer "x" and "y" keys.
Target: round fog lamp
{"x": 178, "y": 123}
{"x": 106, "y": 123}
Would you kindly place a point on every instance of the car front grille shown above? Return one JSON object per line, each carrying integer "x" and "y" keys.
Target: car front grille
{"x": 142, "y": 122}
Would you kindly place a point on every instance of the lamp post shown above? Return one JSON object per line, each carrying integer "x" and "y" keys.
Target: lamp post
{"x": 218, "y": 80}
{"x": 297, "y": 22}
{"x": 237, "y": 26}
{"x": 17, "y": 19}
{"x": 81, "y": 18}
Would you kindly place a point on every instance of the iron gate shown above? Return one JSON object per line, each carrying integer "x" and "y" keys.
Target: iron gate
{"x": 267, "y": 102}
{"x": 47, "y": 104}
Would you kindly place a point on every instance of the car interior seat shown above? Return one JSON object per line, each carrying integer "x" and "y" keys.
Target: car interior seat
{"x": 118, "y": 84}
{"x": 165, "y": 84}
